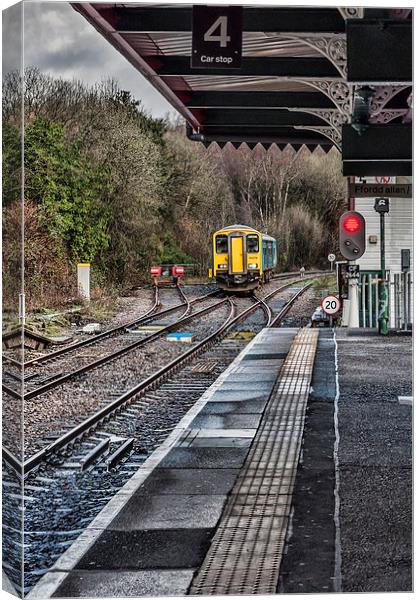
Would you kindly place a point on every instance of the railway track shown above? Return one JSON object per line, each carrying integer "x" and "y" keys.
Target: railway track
{"x": 74, "y": 434}
{"x": 120, "y": 329}
{"x": 38, "y": 382}
{"x": 88, "y": 464}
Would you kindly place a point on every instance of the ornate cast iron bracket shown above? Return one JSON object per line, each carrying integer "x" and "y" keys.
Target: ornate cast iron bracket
{"x": 339, "y": 92}
{"x": 385, "y": 116}
{"x": 331, "y": 45}
{"x": 334, "y": 118}
{"x": 351, "y": 12}
{"x": 334, "y": 135}
{"x": 383, "y": 94}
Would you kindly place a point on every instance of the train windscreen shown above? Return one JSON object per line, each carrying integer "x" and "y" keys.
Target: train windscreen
{"x": 221, "y": 244}
{"x": 252, "y": 243}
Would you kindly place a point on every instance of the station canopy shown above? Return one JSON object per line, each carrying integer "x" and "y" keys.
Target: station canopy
{"x": 315, "y": 77}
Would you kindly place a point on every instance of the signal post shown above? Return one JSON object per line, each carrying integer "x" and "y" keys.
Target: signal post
{"x": 352, "y": 246}
{"x": 382, "y": 207}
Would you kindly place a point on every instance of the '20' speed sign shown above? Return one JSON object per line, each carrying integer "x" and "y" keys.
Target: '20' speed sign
{"x": 331, "y": 304}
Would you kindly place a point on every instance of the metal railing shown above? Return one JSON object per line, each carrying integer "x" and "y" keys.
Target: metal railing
{"x": 402, "y": 288}
{"x": 400, "y": 297}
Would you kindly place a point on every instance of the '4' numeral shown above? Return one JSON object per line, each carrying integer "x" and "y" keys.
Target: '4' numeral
{"x": 223, "y": 38}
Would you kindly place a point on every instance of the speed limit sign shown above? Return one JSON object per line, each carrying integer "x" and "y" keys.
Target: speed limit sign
{"x": 331, "y": 304}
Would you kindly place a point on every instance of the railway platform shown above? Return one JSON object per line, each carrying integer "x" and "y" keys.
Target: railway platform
{"x": 290, "y": 474}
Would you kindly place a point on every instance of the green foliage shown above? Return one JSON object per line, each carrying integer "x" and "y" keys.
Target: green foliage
{"x": 11, "y": 148}
{"x": 171, "y": 253}
{"x": 107, "y": 183}
{"x": 63, "y": 182}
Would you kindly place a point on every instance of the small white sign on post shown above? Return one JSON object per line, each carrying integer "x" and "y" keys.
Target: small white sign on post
{"x": 331, "y": 305}
{"x": 83, "y": 280}
{"x": 331, "y": 258}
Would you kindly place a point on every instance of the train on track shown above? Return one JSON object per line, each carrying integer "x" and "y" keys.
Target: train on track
{"x": 242, "y": 258}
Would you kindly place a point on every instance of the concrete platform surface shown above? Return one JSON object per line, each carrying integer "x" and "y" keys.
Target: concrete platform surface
{"x": 161, "y": 523}
{"x": 351, "y": 500}
{"x": 375, "y": 462}
{"x": 357, "y": 449}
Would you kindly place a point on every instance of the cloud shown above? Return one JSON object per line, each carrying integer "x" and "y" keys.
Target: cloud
{"x": 59, "y": 41}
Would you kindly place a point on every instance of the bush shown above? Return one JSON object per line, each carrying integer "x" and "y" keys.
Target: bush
{"x": 50, "y": 277}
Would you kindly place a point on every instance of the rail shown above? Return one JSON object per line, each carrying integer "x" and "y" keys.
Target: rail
{"x": 112, "y": 356}
{"x": 114, "y": 330}
{"x": 89, "y": 424}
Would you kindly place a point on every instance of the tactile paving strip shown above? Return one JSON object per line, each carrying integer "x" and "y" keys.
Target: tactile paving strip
{"x": 246, "y": 551}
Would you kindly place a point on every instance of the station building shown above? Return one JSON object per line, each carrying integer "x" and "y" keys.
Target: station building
{"x": 398, "y": 257}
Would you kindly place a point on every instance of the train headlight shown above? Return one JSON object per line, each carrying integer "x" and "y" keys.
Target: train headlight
{"x": 252, "y": 266}
{"x": 223, "y": 266}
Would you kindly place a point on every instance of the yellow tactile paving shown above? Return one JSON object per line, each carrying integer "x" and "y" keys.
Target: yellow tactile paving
{"x": 246, "y": 552}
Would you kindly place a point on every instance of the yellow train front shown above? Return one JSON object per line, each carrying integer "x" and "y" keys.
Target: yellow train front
{"x": 243, "y": 258}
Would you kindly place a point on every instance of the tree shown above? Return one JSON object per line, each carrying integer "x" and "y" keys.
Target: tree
{"x": 67, "y": 187}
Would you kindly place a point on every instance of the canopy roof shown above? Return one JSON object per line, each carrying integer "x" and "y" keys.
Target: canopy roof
{"x": 302, "y": 80}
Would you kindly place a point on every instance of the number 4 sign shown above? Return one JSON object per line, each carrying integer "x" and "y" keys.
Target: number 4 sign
{"x": 223, "y": 38}
{"x": 216, "y": 37}
{"x": 331, "y": 305}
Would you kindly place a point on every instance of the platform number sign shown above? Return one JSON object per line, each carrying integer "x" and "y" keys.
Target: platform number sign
{"x": 216, "y": 37}
{"x": 331, "y": 305}
{"x": 222, "y": 38}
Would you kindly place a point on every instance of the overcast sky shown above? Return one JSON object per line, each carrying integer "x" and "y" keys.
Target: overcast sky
{"x": 61, "y": 42}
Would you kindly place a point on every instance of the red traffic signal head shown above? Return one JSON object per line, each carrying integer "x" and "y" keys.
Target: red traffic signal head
{"x": 352, "y": 235}
{"x": 352, "y": 223}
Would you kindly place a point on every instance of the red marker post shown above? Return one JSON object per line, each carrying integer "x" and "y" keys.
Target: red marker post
{"x": 177, "y": 271}
{"x": 155, "y": 272}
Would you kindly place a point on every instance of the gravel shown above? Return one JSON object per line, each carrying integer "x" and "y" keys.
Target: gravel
{"x": 62, "y": 500}
{"x": 65, "y": 406}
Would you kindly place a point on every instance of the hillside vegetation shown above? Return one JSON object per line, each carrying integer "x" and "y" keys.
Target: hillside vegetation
{"x": 106, "y": 183}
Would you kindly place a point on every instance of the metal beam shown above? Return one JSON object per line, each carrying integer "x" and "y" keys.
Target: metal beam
{"x": 379, "y": 51}
{"x": 228, "y": 118}
{"x": 269, "y": 139}
{"x": 378, "y": 142}
{"x": 280, "y": 135}
{"x": 370, "y": 168}
{"x": 312, "y": 67}
{"x": 257, "y": 100}
{"x": 268, "y": 19}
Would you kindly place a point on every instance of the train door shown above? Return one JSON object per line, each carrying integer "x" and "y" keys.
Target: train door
{"x": 237, "y": 254}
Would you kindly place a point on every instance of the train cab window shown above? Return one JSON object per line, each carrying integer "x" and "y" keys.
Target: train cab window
{"x": 252, "y": 243}
{"x": 221, "y": 244}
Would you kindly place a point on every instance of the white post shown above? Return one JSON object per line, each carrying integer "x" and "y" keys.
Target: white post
{"x": 353, "y": 320}
{"x": 83, "y": 280}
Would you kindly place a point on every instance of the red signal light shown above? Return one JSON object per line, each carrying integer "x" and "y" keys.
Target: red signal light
{"x": 351, "y": 224}
{"x": 352, "y": 235}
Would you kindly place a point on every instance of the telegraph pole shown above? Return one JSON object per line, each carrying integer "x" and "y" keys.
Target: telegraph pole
{"x": 382, "y": 206}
